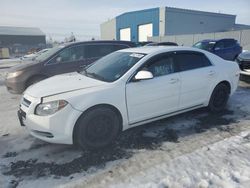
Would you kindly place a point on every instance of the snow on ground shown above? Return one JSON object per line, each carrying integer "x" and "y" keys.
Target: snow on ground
{"x": 195, "y": 149}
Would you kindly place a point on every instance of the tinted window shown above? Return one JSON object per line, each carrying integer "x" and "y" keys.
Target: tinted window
{"x": 229, "y": 43}
{"x": 191, "y": 60}
{"x": 100, "y": 50}
{"x": 161, "y": 65}
{"x": 205, "y": 45}
{"x": 70, "y": 54}
{"x": 220, "y": 45}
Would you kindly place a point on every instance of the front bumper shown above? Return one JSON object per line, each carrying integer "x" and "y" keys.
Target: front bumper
{"x": 245, "y": 75}
{"x": 55, "y": 128}
{"x": 14, "y": 85}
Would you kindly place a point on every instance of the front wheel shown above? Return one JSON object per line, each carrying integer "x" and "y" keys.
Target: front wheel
{"x": 219, "y": 98}
{"x": 97, "y": 128}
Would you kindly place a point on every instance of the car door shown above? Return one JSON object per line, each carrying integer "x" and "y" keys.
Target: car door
{"x": 155, "y": 97}
{"x": 219, "y": 49}
{"x": 67, "y": 60}
{"x": 230, "y": 49}
{"x": 197, "y": 75}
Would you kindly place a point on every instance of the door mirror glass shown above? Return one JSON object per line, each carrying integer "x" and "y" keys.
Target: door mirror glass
{"x": 143, "y": 75}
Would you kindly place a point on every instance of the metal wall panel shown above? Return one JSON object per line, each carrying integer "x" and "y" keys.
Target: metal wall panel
{"x": 182, "y": 21}
{"x": 108, "y": 30}
{"x": 134, "y": 19}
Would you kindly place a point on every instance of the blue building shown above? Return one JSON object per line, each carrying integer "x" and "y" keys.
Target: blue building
{"x": 138, "y": 25}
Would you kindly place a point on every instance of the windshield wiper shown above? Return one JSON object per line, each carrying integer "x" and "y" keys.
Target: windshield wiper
{"x": 94, "y": 75}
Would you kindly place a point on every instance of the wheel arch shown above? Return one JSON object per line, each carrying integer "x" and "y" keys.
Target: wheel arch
{"x": 227, "y": 83}
{"x": 104, "y": 105}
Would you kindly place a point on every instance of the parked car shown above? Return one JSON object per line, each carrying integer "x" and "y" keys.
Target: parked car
{"x": 244, "y": 63}
{"x": 162, "y": 44}
{"x": 33, "y": 55}
{"x": 58, "y": 60}
{"x": 228, "y": 49}
{"x": 125, "y": 89}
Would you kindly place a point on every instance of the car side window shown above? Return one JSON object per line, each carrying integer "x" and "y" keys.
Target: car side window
{"x": 160, "y": 66}
{"x": 98, "y": 50}
{"x": 229, "y": 43}
{"x": 119, "y": 47}
{"x": 219, "y": 45}
{"x": 191, "y": 60}
{"x": 70, "y": 54}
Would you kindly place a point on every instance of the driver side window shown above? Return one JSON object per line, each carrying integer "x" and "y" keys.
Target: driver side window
{"x": 160, "y": 66}
{"x": 71, "y": 54}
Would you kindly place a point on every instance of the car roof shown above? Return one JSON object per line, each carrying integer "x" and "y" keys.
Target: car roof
{"x": 100, "y": 41}
{"x": 216, "y": 40}
{"x": 155, "y": 49}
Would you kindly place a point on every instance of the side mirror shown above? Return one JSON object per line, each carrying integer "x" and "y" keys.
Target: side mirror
{"x": 216, "y": 48}
{"x": 143, "y": 75}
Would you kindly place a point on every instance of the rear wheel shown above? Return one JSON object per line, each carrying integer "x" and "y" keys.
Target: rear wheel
{"x": 219, "y": 98}
{"x": 97, "y": 128}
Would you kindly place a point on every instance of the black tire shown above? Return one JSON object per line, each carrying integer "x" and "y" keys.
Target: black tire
{"x": 34, "y": 80}
{"x": 97, "y": 128}
{"x": 219, "y": 98}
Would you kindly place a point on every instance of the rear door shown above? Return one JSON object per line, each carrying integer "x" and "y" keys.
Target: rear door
{"x": 197, "y": 75}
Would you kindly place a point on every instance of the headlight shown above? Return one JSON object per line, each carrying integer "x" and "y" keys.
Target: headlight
{"x": 13, "y": 74}
{"x": 50, "y": 108}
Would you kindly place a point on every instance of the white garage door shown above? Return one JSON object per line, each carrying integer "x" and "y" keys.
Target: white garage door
{"x": 125, "y": 34}
{"x": 145, "y": 31}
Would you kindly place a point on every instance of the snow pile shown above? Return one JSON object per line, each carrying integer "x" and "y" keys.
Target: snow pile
{"x": 224, "y": 164}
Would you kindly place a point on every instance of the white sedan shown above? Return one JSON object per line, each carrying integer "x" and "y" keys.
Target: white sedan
{"x": 125, "y": 89}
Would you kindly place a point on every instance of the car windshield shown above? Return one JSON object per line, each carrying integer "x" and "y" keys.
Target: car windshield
{"x": 112, "y": 66}
{"x": 204, "y": 45}
{"x": 48, "y": 53}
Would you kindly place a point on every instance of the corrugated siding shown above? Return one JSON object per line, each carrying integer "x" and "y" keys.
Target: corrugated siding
{"x": 181, "y": 21}
{"x": 23, "y": 31}
{"x": 6, "y": 40}
{"x": 134, "y": 19}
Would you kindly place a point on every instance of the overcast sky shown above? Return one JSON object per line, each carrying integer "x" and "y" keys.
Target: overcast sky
{"x": 58, "y": 18}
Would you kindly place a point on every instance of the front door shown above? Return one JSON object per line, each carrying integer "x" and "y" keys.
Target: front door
{"x": 148, "y": 99}
{"x": 68, "y": 60}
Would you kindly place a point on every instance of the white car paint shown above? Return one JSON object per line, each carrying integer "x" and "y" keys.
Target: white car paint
{"x": 138, "y": 102}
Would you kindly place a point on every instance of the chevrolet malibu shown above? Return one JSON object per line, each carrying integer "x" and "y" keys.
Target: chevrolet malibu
{"x": 125, "y": 89}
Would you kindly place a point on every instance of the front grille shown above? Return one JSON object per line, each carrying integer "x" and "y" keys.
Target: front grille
{"x": 243, "y": 64}
{"x": 26, "y": 102}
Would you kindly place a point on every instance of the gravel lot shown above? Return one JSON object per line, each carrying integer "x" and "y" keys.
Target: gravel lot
{"x": 195, "y": 149}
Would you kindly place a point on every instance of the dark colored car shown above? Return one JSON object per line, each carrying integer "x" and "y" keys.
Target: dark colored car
{"x": 162, "y": 44}
{"x": 244, "y": 63}
{"x": 61, "y": 59}
{"x": 228, "y": 49}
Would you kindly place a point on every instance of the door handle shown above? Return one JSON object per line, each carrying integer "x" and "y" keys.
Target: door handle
{"x": 174, "y": 80}
{"x": 211, "y": 73}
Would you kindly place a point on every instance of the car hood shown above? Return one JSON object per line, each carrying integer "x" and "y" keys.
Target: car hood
{"x": 24, "y": 64}
{"x": 62, "y": 84}
{"x": 245, "y": 56}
